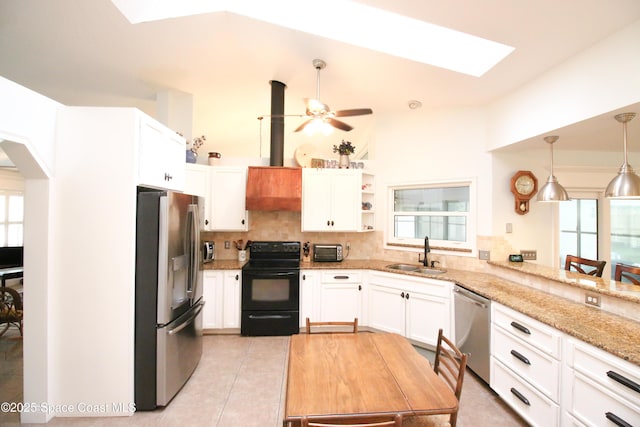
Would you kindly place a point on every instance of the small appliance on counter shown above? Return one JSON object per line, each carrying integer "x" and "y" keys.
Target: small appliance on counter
{"x": 208, "y": 251}
{"x": 327, "y": 252}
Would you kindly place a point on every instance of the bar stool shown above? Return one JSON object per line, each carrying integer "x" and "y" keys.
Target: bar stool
{"x": 628, "y": 272}
{"x": 577, "y": 264}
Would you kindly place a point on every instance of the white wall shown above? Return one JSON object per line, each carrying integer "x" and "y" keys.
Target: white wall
{"x": 27, "y": 119}
{"x": 596, "y": 81}
{"x": 423, "y": 145}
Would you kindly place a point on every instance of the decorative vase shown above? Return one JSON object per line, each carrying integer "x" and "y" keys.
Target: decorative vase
{"x": 191, "y": 156}
{"x": 344, "y": 161}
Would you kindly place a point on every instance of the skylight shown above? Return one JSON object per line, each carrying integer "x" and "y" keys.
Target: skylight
{"x": 348, "y": 22}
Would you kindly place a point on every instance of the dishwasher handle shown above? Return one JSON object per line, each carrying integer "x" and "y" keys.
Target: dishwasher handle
{"x": 466, "y": 297}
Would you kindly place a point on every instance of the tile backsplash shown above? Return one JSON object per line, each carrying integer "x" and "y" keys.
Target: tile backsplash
{"x": 282, "y": 225}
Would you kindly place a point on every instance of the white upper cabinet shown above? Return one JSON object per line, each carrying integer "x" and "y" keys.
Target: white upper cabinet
{"x": 331, "y": 199}
{"x": 162, "y": 156}
{"x": 227, "y": 200}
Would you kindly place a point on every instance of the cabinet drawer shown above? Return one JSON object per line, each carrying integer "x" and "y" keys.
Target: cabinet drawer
{"x": 609, "y": 371}
{"x": 534, "y": 407}
{"x": 341, "y": 276}
{"x": 596, "y": 406}
{"x": 535, "y": 333}
{"x": 540, "y": 369}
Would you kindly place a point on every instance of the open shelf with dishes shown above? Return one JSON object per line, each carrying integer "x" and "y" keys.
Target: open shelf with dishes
{"x": 368, "y": 199}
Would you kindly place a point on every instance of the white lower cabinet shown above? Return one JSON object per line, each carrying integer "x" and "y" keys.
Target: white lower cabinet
{"x": 340, "y": 295}
{"x": 221, "y": 290}
{"x": 308, "y": 291}
{"x": 601, "y": 389}
{"x": 525, "y": 365}
{"x": 414, "y": 307}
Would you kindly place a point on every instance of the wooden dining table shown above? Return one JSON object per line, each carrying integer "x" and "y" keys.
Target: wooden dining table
{"x": 361, "y": 374}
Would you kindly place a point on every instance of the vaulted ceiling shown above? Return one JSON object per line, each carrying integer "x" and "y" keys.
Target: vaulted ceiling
{"x": 87, "y": 53}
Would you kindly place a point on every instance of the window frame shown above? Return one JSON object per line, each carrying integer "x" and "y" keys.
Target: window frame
{"x": 466, "y": 248}
{"x": 6, "y": 195}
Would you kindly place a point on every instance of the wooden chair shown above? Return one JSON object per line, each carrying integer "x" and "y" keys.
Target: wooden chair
{"x": 577, "y": 263}
{"x": 327, "y": 327}
{"x": 351, "y": 421}
{"x": 10, "y": 309}
{"x": 628, "y": 273}
{"x": 450, "y": 364}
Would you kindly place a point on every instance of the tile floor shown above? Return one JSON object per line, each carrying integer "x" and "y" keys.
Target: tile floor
{"x": 240, "y": 381}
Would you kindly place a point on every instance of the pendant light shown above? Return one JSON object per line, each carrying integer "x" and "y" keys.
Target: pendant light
{"x": 626, "y": 185}
{"x": 552, "y": 191}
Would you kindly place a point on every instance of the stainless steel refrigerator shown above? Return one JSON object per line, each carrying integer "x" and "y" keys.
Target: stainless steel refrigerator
{"x": 168, "y": 318}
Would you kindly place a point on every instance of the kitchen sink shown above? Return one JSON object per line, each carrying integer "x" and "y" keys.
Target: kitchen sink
{"x": 403, "y": 267}
{"x": 426, "y": 270}
{"x": 415, "y": 268}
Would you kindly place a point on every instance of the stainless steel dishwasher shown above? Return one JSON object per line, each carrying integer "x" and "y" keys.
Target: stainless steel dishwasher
{"x": 473, "y": 316}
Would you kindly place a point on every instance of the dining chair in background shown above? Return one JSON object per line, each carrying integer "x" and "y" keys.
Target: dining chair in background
{"x": 10, "y": 309}
{"x": 628, "y": 273}
{"x": 577, "y": 263}
{"x": 331, "y": 327}
{"x": 359, "y": 421}
{"x": 450, "y": 364}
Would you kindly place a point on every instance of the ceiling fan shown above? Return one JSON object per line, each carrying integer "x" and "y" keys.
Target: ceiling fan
{"x": 320, "y": 112}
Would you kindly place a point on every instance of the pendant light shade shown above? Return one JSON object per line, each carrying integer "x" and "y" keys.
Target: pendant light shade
{"x": 552, "y": 191}
{"x": 626, "y": 185}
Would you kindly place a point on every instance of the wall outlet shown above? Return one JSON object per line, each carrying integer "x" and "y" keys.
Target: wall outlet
{"x": 227, "y": 244}
{"x": 592, "y": 299}
{"x": 484, "y": 255}
{"x": 529, "y": 255}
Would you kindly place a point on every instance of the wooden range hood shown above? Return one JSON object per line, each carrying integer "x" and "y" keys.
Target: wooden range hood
{"x": 274, "y": 188}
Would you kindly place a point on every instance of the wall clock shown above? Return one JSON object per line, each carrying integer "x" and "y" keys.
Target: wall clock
{"x": 524, "y": 185}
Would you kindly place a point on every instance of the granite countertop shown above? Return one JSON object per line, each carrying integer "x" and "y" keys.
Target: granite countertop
{"x": 615, "y": 334}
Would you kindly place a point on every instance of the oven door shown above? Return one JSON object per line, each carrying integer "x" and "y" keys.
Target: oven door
{"x": 270, "y": 289}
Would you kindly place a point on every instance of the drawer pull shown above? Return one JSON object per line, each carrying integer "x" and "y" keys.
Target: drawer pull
{"x": 520, "y": 396}
{"x": 617, "y": 420}
{"x": 624, "y": 381}
{"x": 521, "y": 328}
{"x": 520, "y": 357}
{"x": 341, "y": 277}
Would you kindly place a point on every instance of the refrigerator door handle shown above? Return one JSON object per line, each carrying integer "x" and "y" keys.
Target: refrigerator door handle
{"x": 193, "y": 246}
{"x": 187, "y": 321}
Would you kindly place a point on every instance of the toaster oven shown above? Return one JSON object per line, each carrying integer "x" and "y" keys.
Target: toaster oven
{"x": 327, "y": 252}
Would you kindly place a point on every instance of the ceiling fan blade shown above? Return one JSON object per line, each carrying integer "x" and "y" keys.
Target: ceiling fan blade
{"x": 304, "y": 125}
{"x": 353, "y": 112}
{"x": 338, "y": 124}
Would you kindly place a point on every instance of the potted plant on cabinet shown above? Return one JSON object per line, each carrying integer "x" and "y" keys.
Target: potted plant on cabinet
{"x": 345, "y": 149}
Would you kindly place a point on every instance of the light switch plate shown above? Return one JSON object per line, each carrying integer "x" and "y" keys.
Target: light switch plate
{"x": 484, "y": 255}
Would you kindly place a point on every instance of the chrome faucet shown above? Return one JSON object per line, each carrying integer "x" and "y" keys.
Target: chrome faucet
{"x": 427, "y": 249}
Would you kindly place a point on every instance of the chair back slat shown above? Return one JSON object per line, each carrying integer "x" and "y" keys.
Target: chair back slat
{"x": 331, "y": 327}
{"x": 450, "y": 364}
{"x": 577, "y": 263}
{"x": 628, "y": 273}
{"x": 353, "y": 421}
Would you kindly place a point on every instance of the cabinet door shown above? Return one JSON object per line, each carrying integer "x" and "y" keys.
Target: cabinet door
{"x": 228, "y": 191}
{"x": 161, "y": 162}
{"x": 212, "y": 290}
{"x": 316, "y": 200}
{"x": 345, "y": 201}
{"x": 387, "y": 309}
{"x": 340, "y": 301}
{"x": 232, "y": 289}
{"x": 308, "y": 285}
{"x": 197, "y": 183}
{"x": 425, "y": 315}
